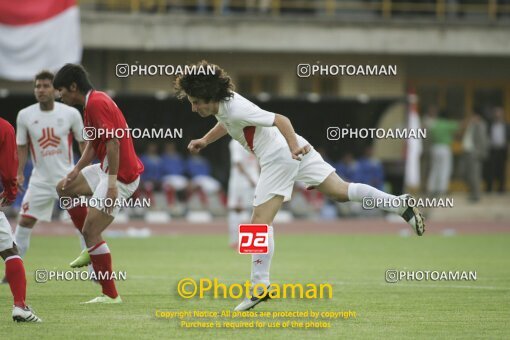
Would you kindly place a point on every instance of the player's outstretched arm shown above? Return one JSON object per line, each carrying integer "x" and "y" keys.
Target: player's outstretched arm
{"x": 22, "y": 157}
{"x": 285, "y": 126}
{"x": 212, "y": 136}
{"x": 87, "y": 156}
{"x": 82, "y": 146}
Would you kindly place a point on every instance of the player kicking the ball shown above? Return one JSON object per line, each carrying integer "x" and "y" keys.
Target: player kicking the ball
{"x": 283, "y": 155}
{"x": 14, "y": 269}
{"x": 117, "y": 176}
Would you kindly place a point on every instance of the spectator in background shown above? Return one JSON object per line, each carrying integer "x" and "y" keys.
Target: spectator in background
{"x": 442, "y": 133}
{"x": 475, "y": 147}
{"x": 201, "y": 180}
{"x": 499, "y": 136}
{"x": 152, "y": 176}
{"x": 244, "y": 175}
{"x": 348, "y": 168}
{"x": 371, "y": 170}
{"x": 173, "y": 169}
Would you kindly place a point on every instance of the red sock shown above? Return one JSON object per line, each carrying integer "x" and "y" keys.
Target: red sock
{"x": 78, "y": 215}
{"x": 203, "y": 197}
{"x": 223, "y": 198}
{"x": 102, "y": 262}
{"x": 170, "y": 195}
{"x": 15, "y": 275}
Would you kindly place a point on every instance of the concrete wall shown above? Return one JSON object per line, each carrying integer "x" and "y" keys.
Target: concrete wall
{"x": 261, "y": 34}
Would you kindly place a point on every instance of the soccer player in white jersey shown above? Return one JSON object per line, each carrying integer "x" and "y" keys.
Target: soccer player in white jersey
{"x": 283, "y": 155}
{"x": 244, "y": 174}
{"x": 46, "y": 128}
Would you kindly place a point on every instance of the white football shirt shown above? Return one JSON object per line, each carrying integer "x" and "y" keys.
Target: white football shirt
{"x": 252, "y": 127}
{"x": 49, "y": 136}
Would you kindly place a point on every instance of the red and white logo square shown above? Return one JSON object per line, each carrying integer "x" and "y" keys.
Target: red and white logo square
{"x": 253, "y": 239}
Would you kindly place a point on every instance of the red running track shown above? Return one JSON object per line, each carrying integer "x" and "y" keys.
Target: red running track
{"x": 340, "y": 226}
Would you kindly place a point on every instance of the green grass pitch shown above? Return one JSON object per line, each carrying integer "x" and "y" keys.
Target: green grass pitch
{"x": 354, "y": 265}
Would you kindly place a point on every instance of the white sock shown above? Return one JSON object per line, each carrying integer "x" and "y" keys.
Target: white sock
{"x": 358, "y": 191}
{"x": 22, "y": 239}
{"x": 234, "y": 219}
{"x": 261, "y": 263}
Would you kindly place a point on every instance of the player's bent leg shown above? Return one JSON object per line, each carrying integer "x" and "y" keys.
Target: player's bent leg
{"x": 261, "y": 263}
{"x": 266, "y": 212}
{"x": 334, "y": 187}
{"x": 78, "y": 187}
{"x": 99, "y": 253}
{"x": 75, "y": 188}
{"x": 95, "y": 223}
{"x": 337, "y": 189}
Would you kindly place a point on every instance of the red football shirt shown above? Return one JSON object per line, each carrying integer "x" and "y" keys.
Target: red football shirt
{"x": 8, "y": 159}
{"x": 102, "y": 113}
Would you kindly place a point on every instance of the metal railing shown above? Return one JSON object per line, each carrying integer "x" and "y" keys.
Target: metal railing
{"x": 386, "y": 9}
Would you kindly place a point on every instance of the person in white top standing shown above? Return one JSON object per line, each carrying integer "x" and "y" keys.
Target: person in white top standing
{"x": 244, "y": 174}
{"x": 283, "y": 155}
{"x": 46, "y": 128}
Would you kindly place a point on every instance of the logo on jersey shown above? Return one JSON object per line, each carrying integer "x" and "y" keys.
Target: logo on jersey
{"x": 253, "y": 239}
{"x": 49, "y": 138}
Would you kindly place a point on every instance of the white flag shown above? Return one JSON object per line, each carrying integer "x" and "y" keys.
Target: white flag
{"x": 414, "y": 146}
{"x": 37, "y": 35}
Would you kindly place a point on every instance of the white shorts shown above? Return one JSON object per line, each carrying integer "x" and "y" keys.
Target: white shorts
{"x": 6, "y": 239}
{"x": 240, "y": 196}
{"x": 207, "y": 183}
{"x": 97, "y": 180}
{"x": 277, "y": 176}
{"x": 177, "y": 182}
{"x": 39, "y": 201}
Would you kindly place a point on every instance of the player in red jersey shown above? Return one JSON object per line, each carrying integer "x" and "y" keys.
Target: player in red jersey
{"x": 115, "y": 178}
{"x": 14, "y": 269}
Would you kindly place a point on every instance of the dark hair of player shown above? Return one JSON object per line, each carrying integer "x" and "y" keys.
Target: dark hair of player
{"x": 202, "y": 85}
{"x": 44, "y": 74}
{"x": 72, "y": 73}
